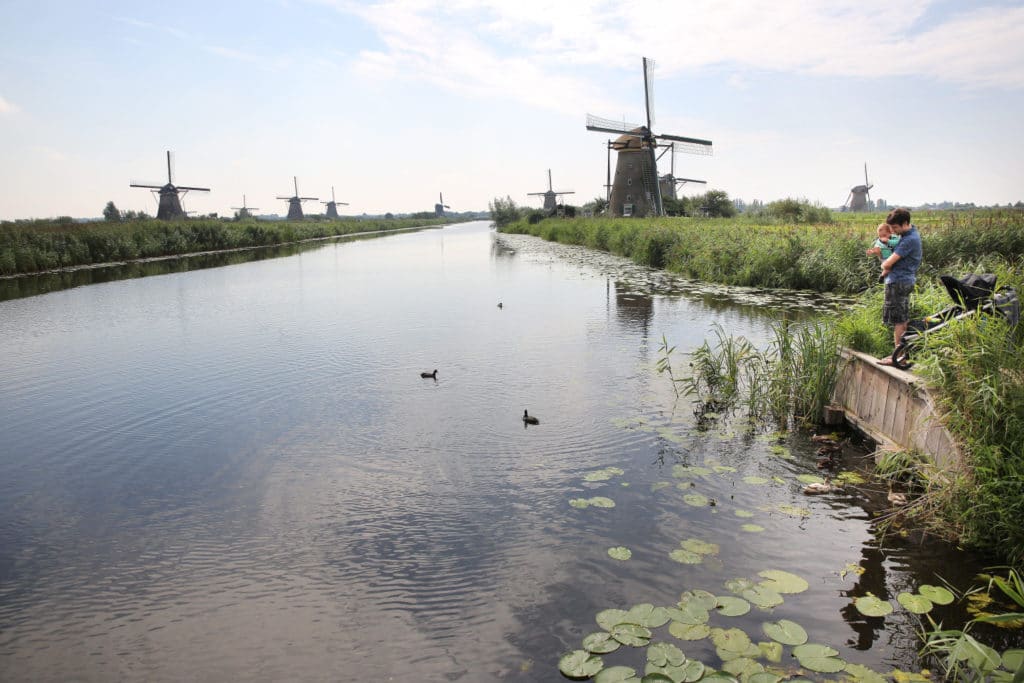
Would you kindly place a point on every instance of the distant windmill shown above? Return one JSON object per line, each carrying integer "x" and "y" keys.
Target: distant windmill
{"x": 295, "y": 202}
{"x": 550, "y": 197}
{"x": 636, "y": 190}
{"x": 332, "y": 206}
{"x": 860, "y": 195}
{"x": 670, "y": 182}
{"x": 169, "y": 207}
{"x": 441, "y": 206}
{"x": 243, "y": 210}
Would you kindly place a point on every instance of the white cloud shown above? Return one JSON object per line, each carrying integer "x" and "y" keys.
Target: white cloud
{"x": 7, "y": 107}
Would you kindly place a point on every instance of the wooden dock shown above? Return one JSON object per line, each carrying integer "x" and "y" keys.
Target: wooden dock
{"x": 893, "y": 408}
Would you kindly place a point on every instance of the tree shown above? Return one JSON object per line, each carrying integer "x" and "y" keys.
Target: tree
{"x": 503, "y": 211}
{"x": 716, "y": 204}
{"x": 111, "y": 214}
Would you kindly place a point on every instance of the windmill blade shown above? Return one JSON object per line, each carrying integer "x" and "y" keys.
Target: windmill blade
{"x": 609, "y": 126}
{"x": 649, "y": 91}
{"x": 685, "y": 145}
{"x": 194, "y": 189}
{"x": 309, "y": 199}
{"x": 691, "y": 180}
{"x": 342, "y": 203}
{"x": 284, "y": 198}
{"x": 536, "y": 194}
{"x": 866, "y": 174}
{"x": 152, "y": 186}
{"x": 170, "y": 167}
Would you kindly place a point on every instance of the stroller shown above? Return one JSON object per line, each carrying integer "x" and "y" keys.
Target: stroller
{"x": 973, "y": 294}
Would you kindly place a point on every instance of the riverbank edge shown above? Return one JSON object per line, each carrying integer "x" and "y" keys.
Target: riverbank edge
{"x": 210, "y": 252}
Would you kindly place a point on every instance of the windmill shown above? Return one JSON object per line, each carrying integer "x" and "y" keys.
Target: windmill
{"x": 636, "y": 190}
{"x": 243, "y": 210}
{"x": 169, "y": 207}
{"x": 440, "y": 207}
{"x": 670, "y": 182}
{"x": 332, "y": 206}
{"x": 860, "y": 195}
{"x": 550, "y": 197}
{"x": 295, "y": 202}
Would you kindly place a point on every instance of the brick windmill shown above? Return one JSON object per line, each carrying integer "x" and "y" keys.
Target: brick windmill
{"x": 636, "y": 190}
{"x": 331, "y": 206}
{"x": 295, "y": 202}
{"x": 440, "y": 206}
{"x": 860, "y": 195}
{"x": 243, "y": 210}
{"x": 550, "y": 197}
{"x": 169, "y": 202}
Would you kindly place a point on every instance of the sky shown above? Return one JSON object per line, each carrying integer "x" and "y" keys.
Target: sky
{"x": 393, "y": 103}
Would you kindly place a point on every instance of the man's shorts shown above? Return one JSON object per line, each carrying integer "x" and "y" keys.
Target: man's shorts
{"x": 896, "y": 308}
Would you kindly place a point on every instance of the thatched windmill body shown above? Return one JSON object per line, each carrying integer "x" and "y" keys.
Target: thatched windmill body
{"x": 860, "y": 195}
{"x": 440, "y": 206}
{"x": 550, "y": 197}
{"x": 332, "y": 206}
{"x": 243, "y": 210}
{"x": 636, "y": 189}
{"x": 295, "y": 202}
{"x": 169, "y": 202}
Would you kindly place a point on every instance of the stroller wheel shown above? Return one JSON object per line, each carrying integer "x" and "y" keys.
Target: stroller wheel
{"x": 901, "y": 357}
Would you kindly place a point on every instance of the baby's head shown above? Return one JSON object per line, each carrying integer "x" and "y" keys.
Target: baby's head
{"x": 884, "y": 231}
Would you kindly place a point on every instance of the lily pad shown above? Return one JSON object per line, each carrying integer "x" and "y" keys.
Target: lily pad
{"x": 600, "y": 643}
{"x": 793, "y": 510}
{"x": 771, "y": 651}
{"x": 689, "y": 613}
{"x": 580, "y": 664}
{"x": 785, "y": 631}
{"x": 851, "y": 568}
{"x": 695, "y": 545}
{"x": 647, "y": 615}
{"x": 852, "y": 478}
{"x": 620, "y": 553}
{"x": 743, "y": 513}
{"x": 871, "y": 606}
{"x": 937, "y": 594}
{"x": 719, "y": 677}
{"x": 653, "y": 675}
{"x": 810, "y": 479}
{"x": 634, "y": 635}
{"x": 696, "y": 499}
{"x": 744, "y": 667}
{"x": 609, "y": 618}
{"x": 762, "y": 596}
{"x": 684, "y": 631}
{"x": 616, "y": 674}
{"x": 862, "y": 674}
{"x": 686, "y": 556}
{"x": 752, "y": 528}
{"x": 659, "y": 485}
{"x": 703, "y": 598}
{"x": 730, "y": 639}
{"x": 729, "y": 606}
{"x": 580, "y": 503}
{"x": 722, "y": 469}
{"x": 765, "y": 677}
{"x": 783, "y": 582}
{"x": 781, "y": 452}
{"x": 602, "y": 502}
{"x": 665, "y": 654}
{"x": 820, "y": 658}
{"x": 918, "y": 604}
{"x": 756, "y": 481}
{"x": 599, "y": 475}
{"x": 737, "y": 586}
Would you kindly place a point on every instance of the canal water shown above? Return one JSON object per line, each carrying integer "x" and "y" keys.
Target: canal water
{"x": 238, "y": 473}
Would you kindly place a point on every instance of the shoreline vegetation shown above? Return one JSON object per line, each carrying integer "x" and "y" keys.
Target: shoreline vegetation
{"x": 975, "y": 367}
{"x": 36, "y": 247}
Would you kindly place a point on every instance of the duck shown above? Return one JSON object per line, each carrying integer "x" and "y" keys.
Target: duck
{"x": 827, "y": 461}
{"x": 530, "y": 419}
{"x": 429, "y": 375}
{"x": 817, "y": 488}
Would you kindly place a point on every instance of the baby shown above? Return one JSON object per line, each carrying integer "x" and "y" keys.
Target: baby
{"x": 886, "y": 242}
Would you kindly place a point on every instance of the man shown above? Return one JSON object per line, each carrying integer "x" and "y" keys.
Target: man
{"x": 900, "y": 273}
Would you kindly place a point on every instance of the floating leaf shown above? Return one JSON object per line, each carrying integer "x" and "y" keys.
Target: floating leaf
{"x": 647, "y": 615}
{"x": 771, "y": 651}
{"x": 600, "y": 475}
{"x": 743, "y": 513}
{"x": 848, "y": 477}
{"x": 737, "y": 586}
{"x": 659, "y": 485}
{"x": 722, "y": 469}
{"x": 777, "y": 479}
{"x": 819, "y": 658}
{"x": 793, "y": 510}
{"x": 609, "y": 618}
{"x": 686, "y": 556}
{"x": 781, "y": 452}
{"x": 918, "y": 604}
{"x": 615, "y": 470}
{"x": 862, "y": 674}
{"x": 580, "y": 503}
{"x": 909, "y": 677}
{"x": 729, "y": 606}
{"x": 684, "y": 631}
{"x": 689, "y": 613}
{"x": 620, "y": 553}
{"x": 765, "y": 677}
{"x": 665, "y": 654}
{"x": 655, "y": 676}
{"x": 762, "y": 596}
{"x": 600, "y": 643}
{"x": 700, "y": 547}
{"x": 696, "y": 499}
{"x": 937, "y": 594}
{"x": 850, "y": 567}
{"x": 580, "y": 664}
{"x": 871, "y": 606}
{"x": 810, "y": 479}
{"x": 757, "y": 481}
{"x": 743, "y": 667}
{"x": 730, "y": 640}
{"x": 631, "y": 634}
{"x": 616, "y": 674}
{"x": 719, "y": 677}
{"x": 602, "y": 502}
{"x": 752, "y": 528}
{"x": 703, "y": 598}
{"x": 785, "y": 631}
{"x": 783, "y": 582}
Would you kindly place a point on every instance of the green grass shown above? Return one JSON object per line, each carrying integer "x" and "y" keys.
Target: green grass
{"x": 31, "y": 247}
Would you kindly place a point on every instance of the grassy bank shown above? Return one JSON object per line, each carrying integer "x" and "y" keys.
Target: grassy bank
{"x": 31, "y": 247}
{"x": 752, "y": 252}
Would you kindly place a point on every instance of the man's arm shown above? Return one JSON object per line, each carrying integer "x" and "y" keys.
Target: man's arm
{"x": 888, "y": 263}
